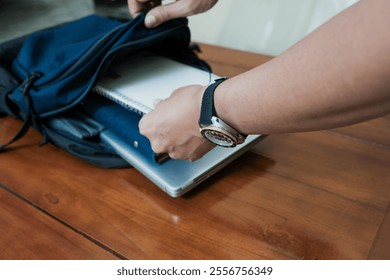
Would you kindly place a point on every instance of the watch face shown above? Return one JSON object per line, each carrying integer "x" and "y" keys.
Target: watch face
{"x": 218, "y": 138}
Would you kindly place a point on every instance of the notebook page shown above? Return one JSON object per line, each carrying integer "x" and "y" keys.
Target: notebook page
{"x": 135, "y": 83}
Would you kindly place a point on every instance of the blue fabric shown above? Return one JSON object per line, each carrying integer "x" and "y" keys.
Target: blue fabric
{"x": 117, "y": 119}
{"x": 69, "y": 58}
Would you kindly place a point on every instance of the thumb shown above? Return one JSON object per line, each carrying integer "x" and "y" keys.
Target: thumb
{"x": 163, "y": 13}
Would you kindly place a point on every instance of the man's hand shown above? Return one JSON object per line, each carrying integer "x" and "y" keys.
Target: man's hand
{"x": 158, "y": 13}
{"x": 172, "y": 127}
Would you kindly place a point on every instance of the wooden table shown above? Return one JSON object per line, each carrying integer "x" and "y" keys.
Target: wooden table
{"x": 319, "y": 195}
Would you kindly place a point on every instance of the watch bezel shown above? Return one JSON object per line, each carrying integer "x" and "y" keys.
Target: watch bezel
{"x": 218, "y": 136}
{"x": 219, "y": 127}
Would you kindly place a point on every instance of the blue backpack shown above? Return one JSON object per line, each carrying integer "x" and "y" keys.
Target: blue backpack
{"x": 46, "y": 78}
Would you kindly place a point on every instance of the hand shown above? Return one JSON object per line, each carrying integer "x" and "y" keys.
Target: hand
{"x": 172, "y": 127}
{"x": 159, "y": 13}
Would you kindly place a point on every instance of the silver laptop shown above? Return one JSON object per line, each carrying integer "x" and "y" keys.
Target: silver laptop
{"x": 176, "y": 177}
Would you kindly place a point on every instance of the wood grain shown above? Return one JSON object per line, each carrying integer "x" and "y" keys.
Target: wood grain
{"x": 381, "y": 248}
{"x": 27, "y": 233}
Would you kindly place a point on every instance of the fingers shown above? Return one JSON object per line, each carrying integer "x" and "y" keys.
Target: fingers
{"x": 160, "y": 13}
{"x": 190, "y": 149}
{"x": 186, "y": 153}
{"x": 163, "y": 13}
{"x": 176, "y": 9}
{"x": 172, "y": 127}
{"x": 138, "y": 6}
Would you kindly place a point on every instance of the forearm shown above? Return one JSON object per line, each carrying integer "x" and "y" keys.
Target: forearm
{"x": 338, "y": 75}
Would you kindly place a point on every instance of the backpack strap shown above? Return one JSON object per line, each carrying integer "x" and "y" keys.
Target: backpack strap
{"x": 30, "y": 119}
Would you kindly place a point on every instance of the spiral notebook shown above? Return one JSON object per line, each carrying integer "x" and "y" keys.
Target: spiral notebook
{"x": 135, "y": 83}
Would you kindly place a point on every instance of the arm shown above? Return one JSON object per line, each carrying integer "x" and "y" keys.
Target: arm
{"x": 336, "y": 76}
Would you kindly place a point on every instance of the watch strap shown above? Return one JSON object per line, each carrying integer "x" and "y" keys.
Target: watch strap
{"x": 207, "y": 107}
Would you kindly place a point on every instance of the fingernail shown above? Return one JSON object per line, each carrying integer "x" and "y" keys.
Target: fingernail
{"x": 150, "y": 20}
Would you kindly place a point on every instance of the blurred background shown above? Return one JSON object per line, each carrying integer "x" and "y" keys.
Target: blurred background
{"x": 261, "y": 26}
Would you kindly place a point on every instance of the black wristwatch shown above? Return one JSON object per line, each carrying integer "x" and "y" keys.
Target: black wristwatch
{"x": 213, "y": 128}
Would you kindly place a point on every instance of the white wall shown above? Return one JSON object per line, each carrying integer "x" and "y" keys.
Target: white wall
{"x": 262, "y": 26}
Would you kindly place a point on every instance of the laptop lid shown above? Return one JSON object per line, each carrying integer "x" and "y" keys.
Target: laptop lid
{"x": 176, "y": 177}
